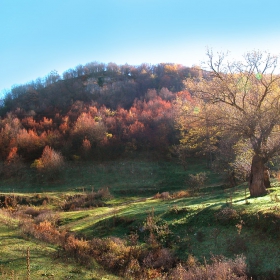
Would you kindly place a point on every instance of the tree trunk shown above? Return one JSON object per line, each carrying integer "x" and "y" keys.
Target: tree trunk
{"x": 266, "y": 178}
{"x": 256, "y": 180}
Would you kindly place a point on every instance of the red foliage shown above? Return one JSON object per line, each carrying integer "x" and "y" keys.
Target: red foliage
{"x": 29, "y": 123}
{"x": 30, "y": 144}
{"x": 13, "y": 156}
{"x": 147, "y": 124}
{"x": 185, "y": 95}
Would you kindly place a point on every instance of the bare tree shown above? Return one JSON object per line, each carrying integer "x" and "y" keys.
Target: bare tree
{"x": 246, "y": 97}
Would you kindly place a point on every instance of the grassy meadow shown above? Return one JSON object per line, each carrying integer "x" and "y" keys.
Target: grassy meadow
{"x": 121, "y": 198}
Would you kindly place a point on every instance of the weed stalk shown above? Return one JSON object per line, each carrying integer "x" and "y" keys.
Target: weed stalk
{"x": 28, "y": 263}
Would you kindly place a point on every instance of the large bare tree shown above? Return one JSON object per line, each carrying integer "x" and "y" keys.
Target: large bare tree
{"x": 246, "y": 98}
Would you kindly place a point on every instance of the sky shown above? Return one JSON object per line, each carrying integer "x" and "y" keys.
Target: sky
{"x": 39, "y": 36}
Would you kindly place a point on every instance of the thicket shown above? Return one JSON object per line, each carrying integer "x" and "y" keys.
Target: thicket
{"x": 86, "y": 131}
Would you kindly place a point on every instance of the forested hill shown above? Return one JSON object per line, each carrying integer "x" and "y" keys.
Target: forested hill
{"x": 93, "y": 111}
{"x": 110, "y": 84}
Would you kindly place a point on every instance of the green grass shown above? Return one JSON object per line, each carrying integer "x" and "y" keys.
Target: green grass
{"x": 133, "y": 183}
{"x": 43, "y": 263}
{"x": 124, "y": 177}
{"x": 195, "y": 227}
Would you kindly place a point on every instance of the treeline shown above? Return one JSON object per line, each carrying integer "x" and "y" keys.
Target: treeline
{"x": 95, "y": 111}
{"x": 110, "y": 85}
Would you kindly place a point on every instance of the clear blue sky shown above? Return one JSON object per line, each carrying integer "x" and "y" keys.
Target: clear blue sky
{"x": 38, "y": 36}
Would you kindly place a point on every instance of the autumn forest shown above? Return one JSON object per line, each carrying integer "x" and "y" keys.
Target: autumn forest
{"x": 95, "y": 111}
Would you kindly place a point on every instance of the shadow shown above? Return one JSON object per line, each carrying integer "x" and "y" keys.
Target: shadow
{"x": 205, "y": 216}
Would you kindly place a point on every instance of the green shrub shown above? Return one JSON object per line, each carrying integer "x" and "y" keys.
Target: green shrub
{"x": 226, "y": 216}
{"x": 197, "y": 181}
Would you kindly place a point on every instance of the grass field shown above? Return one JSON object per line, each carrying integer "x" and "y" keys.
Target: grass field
{"x": 43, "y": 261}
{"x": 214, "y": 221}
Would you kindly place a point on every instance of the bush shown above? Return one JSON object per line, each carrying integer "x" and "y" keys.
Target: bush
{"x": 30, "y": 144}
{"x": 88, "y": 132}
{"x": 13, "y": 166}
{"x": 181, "y": 194}
{"x": 47, "y": 215}
{"x": 163, "y": 196}
{"x": 227, "y": 216}
{"x": 160, "y": 258}
{"x": 44, "y": 231}
{"x": 111, "y": 252}
{"x": 156, "y": 230}
{"x": 93, "y": 199}
{"x": 221, "y": 268}
{"x": 78, "y": 248}
{"x": 50, "y": 164}
{"x": 197, "y": 181}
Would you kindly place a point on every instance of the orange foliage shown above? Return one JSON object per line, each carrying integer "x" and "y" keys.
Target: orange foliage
{"x": 86, "y": 145}
{"x": 29, "y": 123}
{"x": 46, "y": 231}
{"x": 185, "y": 95}
{"x": 147, "y": 123}
{"x": 64, "y": 127}
{"x": 90, "y": 127}
{"x": 29, "y": 143}
{"x": 46, "y": 124}
{"x": 13, "y": 156}
{"x": 136, "y": 128}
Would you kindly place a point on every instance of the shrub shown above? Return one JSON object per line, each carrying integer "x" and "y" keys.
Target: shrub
{"x": 93, "y": 199}
{"x": 220, "y": 268}
{"x": 47, "y": 215}
{"x": 78, "y": 248}
{"x": 158, "y": 232}
{"x": 163, "y": 196}
{"x": 50, "y": 164}
{"x": 103, "y": 193}
{"x": 30, "y": 144}
{"x": 160, "y": 258}
{"x": 226, "y": 215}
{"x": 111, "y": 252}
{"x": 13, "y": 166}
{"x": 133, "y": 269}
{"x": 31, "y": 211}
{"x": 197, "y": 181}
{"x": 44, "y": 231}
{"x": 90, "y": 128}
{"x": 86, "y": 147}
{"x": 181, "y": 194}
{"x": 176, "y": 210}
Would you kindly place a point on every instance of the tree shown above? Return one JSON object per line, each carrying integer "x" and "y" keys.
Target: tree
{"x": 90, "y": 128}
{"x": 194, "y": 120}
{"x": 246, "y": 99}
{"x": 52, "y": 78}
{"x": 50, "y": 163}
